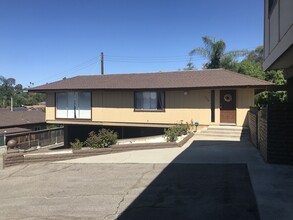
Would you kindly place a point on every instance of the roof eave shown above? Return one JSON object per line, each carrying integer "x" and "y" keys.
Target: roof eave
{"x": 151, "y": 88}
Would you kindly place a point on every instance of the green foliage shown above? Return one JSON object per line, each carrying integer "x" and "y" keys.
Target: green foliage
{"x": 251, "y": 68}
{"x": 275, "y": 76}
{"x": 92, "y": 141}
{"x": 76, "y": 145}
{"x": 52, "y": 126}
{"x": 8, "y": 89}
{"x": 256, "y": 56}
{"x": 104, "y": 138}
{"x": 265, "y": 98}
{"x": 269, "y": 97}
{"x": 174, "y": 132}
{"x": 214, "y": 51}
{"x": 229, "y": 64}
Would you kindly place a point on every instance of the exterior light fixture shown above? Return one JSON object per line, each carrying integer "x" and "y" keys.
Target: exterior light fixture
{"x": 196, "y": 124}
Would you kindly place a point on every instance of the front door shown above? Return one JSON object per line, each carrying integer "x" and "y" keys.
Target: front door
{"x": 228, "y": 106}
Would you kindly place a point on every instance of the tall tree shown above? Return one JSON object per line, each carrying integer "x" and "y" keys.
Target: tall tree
{"x": 214, "y": 51}
{"x": 252, "y": 65}
{"x": 257, "y": 55}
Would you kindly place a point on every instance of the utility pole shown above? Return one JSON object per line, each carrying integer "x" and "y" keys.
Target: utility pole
{"x": 11, "y": 103}
{"x": 102, "y": 63}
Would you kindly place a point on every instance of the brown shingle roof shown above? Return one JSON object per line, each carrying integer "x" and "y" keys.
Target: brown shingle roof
{"x": 13, "y": 130}
{"x": 18, "y": 118}
{"x": 161, "y": 80}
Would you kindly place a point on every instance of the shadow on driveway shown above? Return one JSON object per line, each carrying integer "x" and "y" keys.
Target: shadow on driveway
{"x": 186, "y": 189}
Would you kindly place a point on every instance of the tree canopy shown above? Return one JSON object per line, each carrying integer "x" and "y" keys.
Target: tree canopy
{"x": 215, "y": 52}
{"x": 9, "y": 88}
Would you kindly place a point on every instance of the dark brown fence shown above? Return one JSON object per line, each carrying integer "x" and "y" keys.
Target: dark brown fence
{"x": 253, "y": 125}
{"x": 271, "y": 131}
{"x": 27, "y": 140}
{"x": 262, "y": 132}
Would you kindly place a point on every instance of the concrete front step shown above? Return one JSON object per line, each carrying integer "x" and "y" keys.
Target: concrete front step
{"x": 224, "y": 135}
{"x": 225, "y": 132}
{"x": 227, "y": 128}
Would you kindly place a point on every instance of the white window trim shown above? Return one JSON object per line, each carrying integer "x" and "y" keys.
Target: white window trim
{"x": 74, "y": 110}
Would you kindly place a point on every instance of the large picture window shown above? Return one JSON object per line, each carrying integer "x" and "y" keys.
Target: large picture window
{"x": 73, "y": 105}
{"x": 149, "y": 100}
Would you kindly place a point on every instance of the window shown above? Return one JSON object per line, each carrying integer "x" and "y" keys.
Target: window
{"x": 149, "y": 100}
{"x": 73, "y": 105}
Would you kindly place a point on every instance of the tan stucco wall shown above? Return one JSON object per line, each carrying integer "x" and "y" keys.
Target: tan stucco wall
{"x": 118, "y": 107}
{"x": 245, "y": 99}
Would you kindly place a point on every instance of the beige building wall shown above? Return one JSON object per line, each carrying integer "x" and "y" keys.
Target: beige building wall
{"x": 117, "y": 108}
{"x": 245, "y": 99}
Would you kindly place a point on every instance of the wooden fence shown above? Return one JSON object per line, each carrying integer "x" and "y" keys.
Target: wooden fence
{"x": 41, "y": 138}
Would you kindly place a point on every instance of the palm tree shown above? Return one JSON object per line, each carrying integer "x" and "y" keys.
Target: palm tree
{"x": 214, "y": 51}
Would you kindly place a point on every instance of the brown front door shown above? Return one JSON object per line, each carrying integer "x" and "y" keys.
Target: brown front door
{"x": 228, "y": 106}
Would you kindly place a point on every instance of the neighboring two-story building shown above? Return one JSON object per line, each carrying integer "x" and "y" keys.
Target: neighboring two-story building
{"x": 149, "y": 100}
{"x": 276, "y": 138}
{"x": 278, "y": 39}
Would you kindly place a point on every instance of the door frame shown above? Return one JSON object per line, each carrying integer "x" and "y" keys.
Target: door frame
{"x": 234, "y": 107}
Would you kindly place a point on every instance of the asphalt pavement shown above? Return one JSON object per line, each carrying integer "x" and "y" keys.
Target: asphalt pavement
{"x": 216, "y": 178}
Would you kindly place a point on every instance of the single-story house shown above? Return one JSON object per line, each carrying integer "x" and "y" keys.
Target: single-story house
{"x": 153, "y": 100}
{"x": 12, "y": 122}
{"x": 21, "y": 121}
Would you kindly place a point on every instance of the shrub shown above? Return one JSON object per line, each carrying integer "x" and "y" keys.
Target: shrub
{"x": 92, "y": 141}
{"x": 104, "y": 138}
{"x": 76, "y": 145}
{"x": 172, "y": 133}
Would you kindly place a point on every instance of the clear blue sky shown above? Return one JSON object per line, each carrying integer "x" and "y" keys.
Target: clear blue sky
{"x": 45, "y": 40}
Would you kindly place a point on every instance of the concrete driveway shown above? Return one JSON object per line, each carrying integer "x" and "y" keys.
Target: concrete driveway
{"x": 206, "y": 179}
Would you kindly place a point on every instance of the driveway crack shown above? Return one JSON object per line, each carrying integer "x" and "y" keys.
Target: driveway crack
{"x": 127, "y": 193}
{"x": 11, "y": 175}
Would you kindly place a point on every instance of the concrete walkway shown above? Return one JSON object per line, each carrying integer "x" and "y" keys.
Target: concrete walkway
{"x": 272, "y": 184}
{"x": 152, "y": 156}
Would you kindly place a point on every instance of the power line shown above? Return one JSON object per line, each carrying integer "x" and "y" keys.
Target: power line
{"x": 133, "y": 61}
{"x": 147, "y": 57}
{"x": 157, "y": 59}
{"x": 74, "y": 69}
{"x": 122, "y": 59}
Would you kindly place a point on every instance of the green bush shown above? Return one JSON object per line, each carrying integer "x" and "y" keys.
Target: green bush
{"x": 104, "y": 138}
{"x": 76, "y": 145}
{"x": 173, "y": 133}
{"x": 92, "y": 141}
